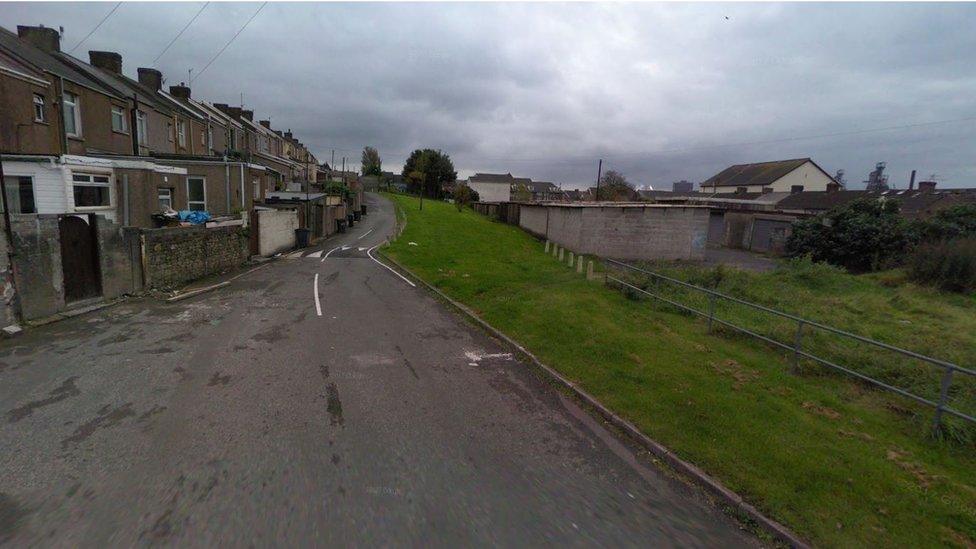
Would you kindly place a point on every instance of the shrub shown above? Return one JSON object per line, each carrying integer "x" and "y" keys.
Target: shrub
{"x": 950, "y": 264}
{"x": 861, "y": 236}
{"x": 955, "y": 222}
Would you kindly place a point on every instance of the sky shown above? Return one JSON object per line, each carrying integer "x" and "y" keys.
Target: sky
{"x": 660, "y": 92}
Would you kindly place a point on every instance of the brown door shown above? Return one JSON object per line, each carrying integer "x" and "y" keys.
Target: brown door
{"x": 254, "y": 233}
{"x": 79, "y": 258}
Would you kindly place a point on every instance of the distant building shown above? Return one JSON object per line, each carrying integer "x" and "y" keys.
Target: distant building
{"x": 799, "y": 174}
{"x": 682, "y": 186}
{"x": 492, "y": 187}
{"x": 877, "y": 180}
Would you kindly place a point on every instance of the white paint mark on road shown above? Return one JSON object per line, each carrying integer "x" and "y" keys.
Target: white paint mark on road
{"x": 475, "y": 356}
{"x": 362, "y": 249}
{"x": 316, "y": 254}
{"x": 295, "y": 255}
{"x": 369, "y": 253}
{"x": 329, "y": 252}
{"x": 318, "y": 306}
{"x": 364, "y": 234}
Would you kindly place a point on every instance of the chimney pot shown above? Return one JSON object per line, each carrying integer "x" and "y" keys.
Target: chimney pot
{"x": 108, "y": 60}
{"x": 151, "y": 78}
{"x": 40, "y": 37}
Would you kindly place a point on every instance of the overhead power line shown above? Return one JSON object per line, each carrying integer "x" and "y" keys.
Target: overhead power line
{"x": 179, "y": 34}
{"x": 231, "y": 41}
{"x": 72, "y": 50}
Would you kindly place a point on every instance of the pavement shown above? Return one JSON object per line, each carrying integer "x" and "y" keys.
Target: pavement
{"x": 320, "y": 400}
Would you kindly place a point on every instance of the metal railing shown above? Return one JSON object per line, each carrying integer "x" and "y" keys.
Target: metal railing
{"x": 941, "y": 406}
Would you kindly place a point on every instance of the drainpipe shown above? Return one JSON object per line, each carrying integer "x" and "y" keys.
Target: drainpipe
{"x": 243, "y": 198}
{"x": 134, "y": 124}
{"x": 227, "y": 183}
{"x": 64, "y": 134}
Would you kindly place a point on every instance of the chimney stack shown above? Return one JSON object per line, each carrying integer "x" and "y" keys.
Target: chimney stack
{"x": 911, "y": 182}
{"x": 248, "y": 114}
{"x": 926, "y": 185}
{"x": 40, "y": 37}
{"x": 151, "y": 78}
{"x": 182, "y": 91}
{"x": 833, "y": 187}
{"x": 108, "y": 60}
{"x": 288, "y": 135}
{"x": 265, "y": 123}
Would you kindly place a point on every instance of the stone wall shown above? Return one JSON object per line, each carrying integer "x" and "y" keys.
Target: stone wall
{"x": 175, "y": 256}
{"x": 38, "y": 273}
{"x": 624, "y": 231}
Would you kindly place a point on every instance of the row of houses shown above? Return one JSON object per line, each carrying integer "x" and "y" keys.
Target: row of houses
{"x": 104, "y": 169}
{"x": 83, "y": 136}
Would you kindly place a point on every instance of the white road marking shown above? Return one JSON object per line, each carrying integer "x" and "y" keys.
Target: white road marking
{"x": 361, "y": 249}
{"x": 474, "y": 356}
{"x": 344, "y": 248}
{"x": 315, "y": 254}
{"x": 369, "y": 253}
{"x": 329, "y": 252}
{"x": 294, "y": 255}
{"x": 318, "y": 306}
{"x": 364, "y": 234}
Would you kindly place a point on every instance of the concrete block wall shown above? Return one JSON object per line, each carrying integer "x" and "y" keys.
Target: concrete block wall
{"x": 8, "y": 292}
{"x": 622, "y": 231}
{"x": 175, "y": 256}
{"x": 276, "y": 231}
{"x": 118, "y": 257}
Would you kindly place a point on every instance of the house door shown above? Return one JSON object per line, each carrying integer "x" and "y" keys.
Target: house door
{"x": 79, "y": 258}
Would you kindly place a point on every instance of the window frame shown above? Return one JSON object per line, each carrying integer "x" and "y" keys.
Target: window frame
{"x": 142, "y": 127}
{"x": 115, "y": 109}
{"x": 33, "y": 192}
{"x": 74, "y": 101}
{"x": 189, "y": 195}
{"x": 170, "y": 132}
{"x": 159, "y": 197}
{"x": 40, "y": 107}
{"x": 108, "y": 184}
{"x": 181, "y": 133}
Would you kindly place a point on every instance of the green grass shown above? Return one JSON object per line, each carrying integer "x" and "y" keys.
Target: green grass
{"x": 836, "y": 462}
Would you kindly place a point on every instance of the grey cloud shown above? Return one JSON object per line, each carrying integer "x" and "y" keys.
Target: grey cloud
{"x": 660, "y": 91}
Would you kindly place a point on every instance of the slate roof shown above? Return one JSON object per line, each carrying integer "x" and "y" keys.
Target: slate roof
{"x": 492, "y": 178}
{"x": 119, "y": 83}
{"x": 47, "y": 62}
{"x": 760, "y": 173}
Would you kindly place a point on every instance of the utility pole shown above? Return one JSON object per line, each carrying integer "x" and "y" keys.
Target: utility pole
{"x": 343, "y": 170}
{"x": 332, "y": 166}
{"x": 599, "y": 174}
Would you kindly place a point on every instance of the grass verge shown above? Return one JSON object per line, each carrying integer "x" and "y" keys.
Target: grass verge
{"x": 821, "y": 454}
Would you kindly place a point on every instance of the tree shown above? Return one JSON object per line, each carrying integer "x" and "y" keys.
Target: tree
{"x": 861, "y": 236}
{"x": 372, "y": 165}
{"x": 463, "y": 196}
{"x": 427, "y": 170}
{"x": 521, "y": 193}
{"x": 614, "y": 186}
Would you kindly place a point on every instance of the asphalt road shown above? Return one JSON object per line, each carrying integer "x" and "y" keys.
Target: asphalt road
{"x": 252, "y": 416}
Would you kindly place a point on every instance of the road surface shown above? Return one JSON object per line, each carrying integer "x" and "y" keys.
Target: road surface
{"x": 318, "y": 400}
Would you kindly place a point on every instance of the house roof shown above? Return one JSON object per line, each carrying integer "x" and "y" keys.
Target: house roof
{"x": 11, "y": 65}
{"x": 542, "y": 186}
{"x": 492, "y": 178}
{"x": 759, "y": 173}
{"x": 121, "y": 84}
{"x": 28, "y": 53}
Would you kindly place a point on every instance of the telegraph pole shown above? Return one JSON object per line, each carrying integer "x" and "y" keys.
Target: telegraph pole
{"x": 599, "y": 174}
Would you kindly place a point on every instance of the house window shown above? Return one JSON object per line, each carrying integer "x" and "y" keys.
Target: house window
{"x": 203, "y": 137}
{"x": 142, "y": 126}
{"x": 20, "y": 194}
{"x": 256, "y": 185}
{"x": 91, "y": 191}
{"x": 181, "y": 132}
{"x": 165, "y": 199}
{"x": 118, "y": 120}
{"x": 39, "y": 108}
{"x": 169, "y": 131}
{"x": 196, "y": 192}
{"x": 72, "y": 115}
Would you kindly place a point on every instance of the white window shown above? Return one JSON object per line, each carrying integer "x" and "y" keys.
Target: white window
{"x": 20, "y": 194}
{"x": 165, "y": 199}
{"x": 118, "y": 120}
{"x": 256, "y": 185}
{"x": 72, "y": 115}
{"x": 169, "y": 131}
{"x": 181, "y": 132}
{"x": 142, "y": 127}
{"x": 91, "y": 190}
{"x": 196, "y": 193}
{"x": 39, "y": 108}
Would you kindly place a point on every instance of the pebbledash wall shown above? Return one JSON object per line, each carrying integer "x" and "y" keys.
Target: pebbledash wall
{"x": 172, "y": 257}
{"x": 621, "y": 231}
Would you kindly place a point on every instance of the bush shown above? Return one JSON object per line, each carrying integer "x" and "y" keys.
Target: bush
{"x": 861, "y": 236}
{"x": 955, "y": 222}
{"x": 950, "y": 264}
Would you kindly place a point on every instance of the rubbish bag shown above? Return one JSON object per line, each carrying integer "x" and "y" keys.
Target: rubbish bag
{"x": 194, "y": 216}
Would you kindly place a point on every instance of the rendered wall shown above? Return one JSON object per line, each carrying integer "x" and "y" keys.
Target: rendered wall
{"x": 276, "y": 231}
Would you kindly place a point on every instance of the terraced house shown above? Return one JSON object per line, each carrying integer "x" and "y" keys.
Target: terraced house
{"x": 83, "y": 141}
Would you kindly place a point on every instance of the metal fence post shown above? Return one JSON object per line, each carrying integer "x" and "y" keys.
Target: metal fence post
{"x": 796, "y": 346}
{"x": 711, "y": 310}
{"x": 943, "y": 396}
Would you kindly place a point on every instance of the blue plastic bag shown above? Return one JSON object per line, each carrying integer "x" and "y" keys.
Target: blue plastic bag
{"x": 194, "y": 216}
